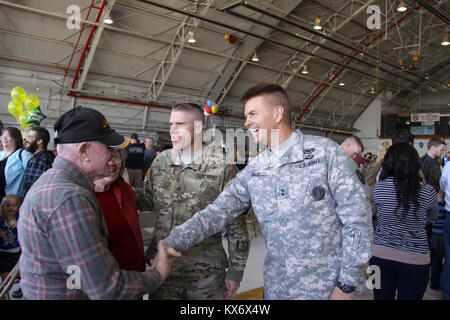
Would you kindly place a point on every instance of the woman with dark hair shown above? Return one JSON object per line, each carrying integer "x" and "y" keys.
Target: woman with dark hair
{"x": 400, "y": 245}
{"x": 13, "y": 162}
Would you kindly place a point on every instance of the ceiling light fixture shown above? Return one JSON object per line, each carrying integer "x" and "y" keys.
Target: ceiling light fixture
{"x": 317, "y": 25}
{"x": 108, "y": 19}
{"x": 342, "y": 83}
{"x": 445, "y": 41}
{"x": 192, "y": 37}
{"x": 402, "y": 6}
{"x": 372, "y": 90}
{"x": 305, "y": 69}
{"x": 255, "y": 58}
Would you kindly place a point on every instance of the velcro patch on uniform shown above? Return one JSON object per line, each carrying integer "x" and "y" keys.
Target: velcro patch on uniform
{"x": 318, "y": 193}
{"x": 310, "y": 163}
{"x": 260, "y": 173}
{"x": 207, "y": 176}
{"x": 164, "y": 170}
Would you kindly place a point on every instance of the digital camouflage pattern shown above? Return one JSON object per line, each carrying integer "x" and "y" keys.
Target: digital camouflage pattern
{"x": 314, "y": 215}
{"x": 176, "y": 192}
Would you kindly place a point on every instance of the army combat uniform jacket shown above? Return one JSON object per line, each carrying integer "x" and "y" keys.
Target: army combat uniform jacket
{"x": 313, "y": 212}
{"x": 176, "y": 193}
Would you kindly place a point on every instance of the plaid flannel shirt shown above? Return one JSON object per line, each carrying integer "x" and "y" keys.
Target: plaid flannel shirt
{"x": 63, "y": 237}
{"x": 38, "y": 164}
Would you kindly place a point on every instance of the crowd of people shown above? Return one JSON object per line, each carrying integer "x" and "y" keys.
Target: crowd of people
{"x": 326, "y": 211}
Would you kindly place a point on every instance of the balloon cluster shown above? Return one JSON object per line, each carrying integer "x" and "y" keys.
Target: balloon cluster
{"x": 230, "y": 37}
{"x": 32, "y": 114}
{"x": 210, "y": 107}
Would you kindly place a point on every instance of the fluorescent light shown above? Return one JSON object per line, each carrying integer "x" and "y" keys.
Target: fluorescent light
{"x": 342, "y": 83}
{"x": 191, "y": 37}
{"x": 402, "y": 6}
{"x": 317, "y": 25}
{"x": 108, "y": 19}
{"x": 445, "y": 41}
{"x": 305, "y": 69}
{"x": 255, "y": 58}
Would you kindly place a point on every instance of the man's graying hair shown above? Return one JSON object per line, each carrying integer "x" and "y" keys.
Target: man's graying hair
{"x": 67, "y": 148}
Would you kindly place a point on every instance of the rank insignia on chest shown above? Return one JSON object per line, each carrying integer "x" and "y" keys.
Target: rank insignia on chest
{"x": 309, "y": 151}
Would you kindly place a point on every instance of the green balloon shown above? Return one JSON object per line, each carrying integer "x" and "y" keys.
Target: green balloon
{"x": 35, "y": 116}
{"x": 31, "y": 102}
{"x": 18, "y": 94}
{"x": 15, "y": 108}
{"x": 23, "y": 119}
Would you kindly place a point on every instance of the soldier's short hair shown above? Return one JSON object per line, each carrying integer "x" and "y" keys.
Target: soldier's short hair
{"x": 355, "y": 140}
{"x": 194, "y": 109}
{"x": 276, "y": 92}
{"x": 435, "y": 142}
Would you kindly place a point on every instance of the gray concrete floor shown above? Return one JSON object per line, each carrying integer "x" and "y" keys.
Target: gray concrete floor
{"x": 253, "y": 274}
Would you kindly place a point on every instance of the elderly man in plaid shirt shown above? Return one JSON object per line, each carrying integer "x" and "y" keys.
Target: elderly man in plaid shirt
{"x": 61, "y": 228}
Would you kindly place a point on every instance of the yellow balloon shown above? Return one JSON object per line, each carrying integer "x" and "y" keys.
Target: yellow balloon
{"x": 18, "y": 94}
{"x": 23, "y": 120}
{"x": 15, "y": 108}
{"x": 31, "y": 102}
{"x": 214, "y": 109}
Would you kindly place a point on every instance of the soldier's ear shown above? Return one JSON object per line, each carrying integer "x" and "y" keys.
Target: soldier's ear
{"x": 198, "y": 126}
{"x": 279, "y": 113}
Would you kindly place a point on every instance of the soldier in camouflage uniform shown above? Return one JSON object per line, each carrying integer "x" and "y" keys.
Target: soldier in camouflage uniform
{"x": 178, "y": 189}
{"x": 309, "y": 199}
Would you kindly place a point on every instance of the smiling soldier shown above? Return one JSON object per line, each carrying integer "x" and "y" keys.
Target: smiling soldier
{"x": 310, "y": 203}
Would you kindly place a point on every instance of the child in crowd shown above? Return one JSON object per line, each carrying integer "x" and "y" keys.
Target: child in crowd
{"x": 9, "y": 243}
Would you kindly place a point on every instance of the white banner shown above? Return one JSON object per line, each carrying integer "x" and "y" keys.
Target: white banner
{"x": 425, "y": 117}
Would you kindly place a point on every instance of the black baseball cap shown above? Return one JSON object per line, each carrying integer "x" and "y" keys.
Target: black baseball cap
{"x": 85, "y": 124}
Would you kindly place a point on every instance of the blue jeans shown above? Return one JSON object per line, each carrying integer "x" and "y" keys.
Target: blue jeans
{"x": 409, "y": 280}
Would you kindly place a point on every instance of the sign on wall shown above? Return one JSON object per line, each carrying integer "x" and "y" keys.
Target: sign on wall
{"x": 422, "y": 130}
{"x": 425, "y": 117}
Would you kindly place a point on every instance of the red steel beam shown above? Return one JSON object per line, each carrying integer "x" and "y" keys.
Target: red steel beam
{"x": 314, "y": 96}
{"x": 93, "y": 27}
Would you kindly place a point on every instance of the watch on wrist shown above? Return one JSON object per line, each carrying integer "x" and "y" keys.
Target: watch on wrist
{"x": 345, "y": 288}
